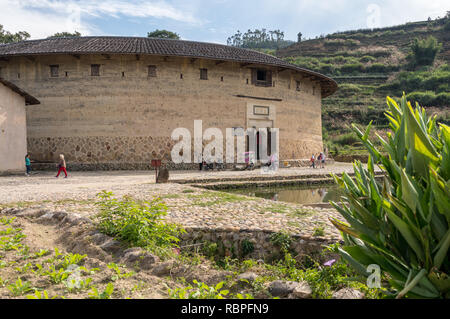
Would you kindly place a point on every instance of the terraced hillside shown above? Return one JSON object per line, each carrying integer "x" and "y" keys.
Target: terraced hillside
{"x": 369, "y": 65}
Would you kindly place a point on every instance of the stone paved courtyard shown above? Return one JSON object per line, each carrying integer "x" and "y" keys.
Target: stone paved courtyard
{"x": 189, "y": 206}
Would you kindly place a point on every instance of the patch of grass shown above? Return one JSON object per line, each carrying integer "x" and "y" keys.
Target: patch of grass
{"x": 319, "y": 231}
{"x": 276, "y": 208}
{"x": 211, "y": 198}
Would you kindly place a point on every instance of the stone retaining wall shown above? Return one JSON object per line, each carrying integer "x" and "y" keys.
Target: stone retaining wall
{"x": 232, "y": 242}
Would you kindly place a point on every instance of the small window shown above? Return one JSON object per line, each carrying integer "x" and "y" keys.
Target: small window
{"x": 181, "y": 76}
{"x": 152, "y": 71}
{"x": 297, "y": 87}
{"x": 203, "y": 74}
{"x": 95, "y": 69}
{"x": 54, "y": 71}
{"x": 314, "y": 90}
{"x": 67, "y": 74}
{"x": 262, "y": 77}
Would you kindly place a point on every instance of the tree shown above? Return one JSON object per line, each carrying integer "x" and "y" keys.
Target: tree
{"x": 163, "y": 34}
{"x": 65, "y": 34}
{"x": 8, "y": 37}
{"x": 423, "y": 52}
{"x": 259, "y": 39}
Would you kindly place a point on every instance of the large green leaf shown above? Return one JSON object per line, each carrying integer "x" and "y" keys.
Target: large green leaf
{"x": 422, "y": 150}
{"x": 406, "y": 232}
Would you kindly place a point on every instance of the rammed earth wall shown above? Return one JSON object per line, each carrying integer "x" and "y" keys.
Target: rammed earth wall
{"x": 124, "y": 118}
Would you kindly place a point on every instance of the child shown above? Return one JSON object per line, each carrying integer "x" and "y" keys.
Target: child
{"x": 313, "y": 161}
{"x": 28, "y": 164}
{"x": 62, "y": 166}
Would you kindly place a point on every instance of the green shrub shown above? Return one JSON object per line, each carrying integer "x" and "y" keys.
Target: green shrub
{"x": 403, "y": 223}
{"x": 247, "y": 247}
{"x": 210, "y": 249}
{"x": 282, "y": 240}
{"x": 429, "y": 98}
{"x": 137, "y": 223}
{"x": 346, "y": 139}
{"x": 427, "y": 80}
{"x": 424, "y": 51}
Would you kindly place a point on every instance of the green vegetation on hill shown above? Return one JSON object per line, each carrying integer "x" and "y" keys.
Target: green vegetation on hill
{"x": 370, "y": 64}
{"x": 259, "y": 39}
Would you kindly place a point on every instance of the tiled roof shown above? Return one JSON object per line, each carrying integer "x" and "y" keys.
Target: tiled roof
{"x": 154, "y": 46}
{"x": 29, "y": 99}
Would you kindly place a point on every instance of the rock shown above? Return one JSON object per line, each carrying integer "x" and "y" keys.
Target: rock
{"x": 59, "y": 216}
{"x": 302, "y": 291}
{"x": 132, "y": 253}
{"x": 75, "y": 219}
{"x": 34, "y": 213}
{"x": 163, "y": 269}
{"x": 137, "y": 255}
{"x": 147, "y": 261}
{"x": 70, "y": 218}
{"x": 248, "y": 276}
{"x": 99, "y": 238}
{"x": 348, "y": 293}
{"x": 112, "y": 246}
{"x": 46, "y": 218}
{"x": 280, "y": 288}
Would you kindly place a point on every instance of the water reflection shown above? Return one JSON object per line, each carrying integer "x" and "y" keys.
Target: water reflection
{"x": 300, "y": 194}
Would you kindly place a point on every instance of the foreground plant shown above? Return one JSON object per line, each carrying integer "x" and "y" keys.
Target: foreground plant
{"x": 20, "y": 287}
{"x": 106, "y": 294}
{"x": 200, "y": 291}
{"x": 138, "y": 223}
{"x": 403, "y": 223}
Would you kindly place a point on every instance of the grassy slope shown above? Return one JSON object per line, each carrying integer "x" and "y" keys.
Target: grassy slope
{"x": 368, "y": 65}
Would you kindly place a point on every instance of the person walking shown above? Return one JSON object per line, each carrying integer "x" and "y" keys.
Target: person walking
{"x": 313, "y": 161}
{"x": 322, "y": 159}
{"x": 28, "y": 164}
{"x": 61, "y": 166}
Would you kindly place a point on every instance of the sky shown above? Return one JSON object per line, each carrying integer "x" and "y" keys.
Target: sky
{"x": 211, "y": 20}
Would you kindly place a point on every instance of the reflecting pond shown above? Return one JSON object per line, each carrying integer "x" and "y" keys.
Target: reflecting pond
{"x": 305, "y": 195}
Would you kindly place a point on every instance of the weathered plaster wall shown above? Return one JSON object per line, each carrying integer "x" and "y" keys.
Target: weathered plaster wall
{"x": 124, "y": 116}
{"x": 13, "y": 146}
